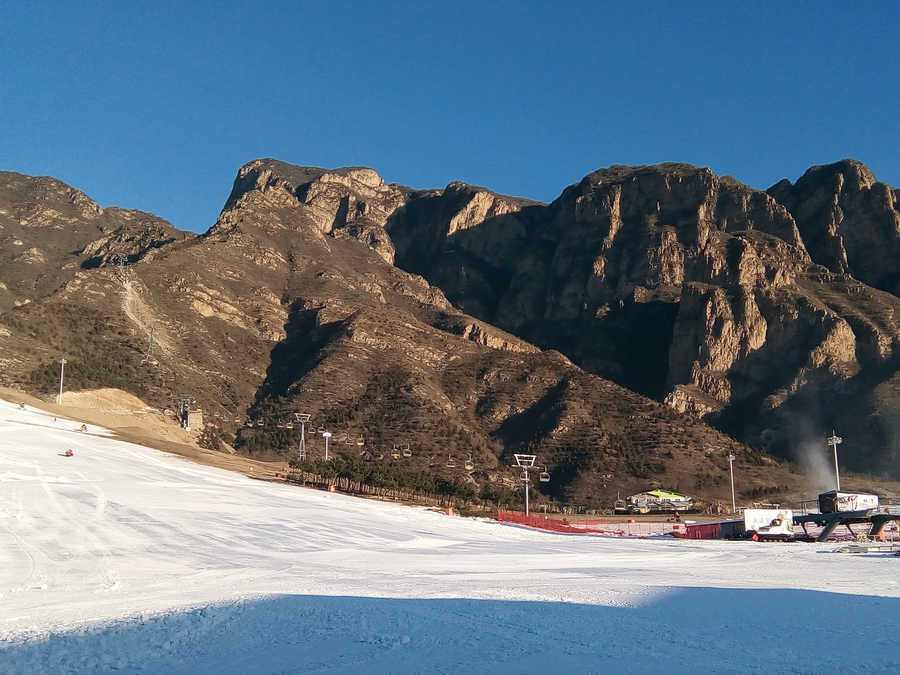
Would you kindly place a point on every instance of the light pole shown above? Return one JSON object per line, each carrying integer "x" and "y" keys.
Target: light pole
{"x": 62, "y": 368}
{"x": 834, "y": 440}
{"x": 326, "y": 435}
{"x": 731, "y": 459}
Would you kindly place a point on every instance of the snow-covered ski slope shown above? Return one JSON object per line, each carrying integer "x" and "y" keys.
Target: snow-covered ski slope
{"x": 124, "y": 559}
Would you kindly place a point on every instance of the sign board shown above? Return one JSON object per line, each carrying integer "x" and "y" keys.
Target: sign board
{"x": 774, "y": 522}
{"x": 831, "y": 502}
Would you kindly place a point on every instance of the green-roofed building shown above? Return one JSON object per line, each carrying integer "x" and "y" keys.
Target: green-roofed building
{"x": 659, "y": 501}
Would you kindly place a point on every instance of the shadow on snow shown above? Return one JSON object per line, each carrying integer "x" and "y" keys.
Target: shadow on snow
{"x": 680, "y": 631}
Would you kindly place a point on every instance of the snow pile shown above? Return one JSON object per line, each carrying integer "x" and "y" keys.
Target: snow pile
{"x": 123, "y": 559}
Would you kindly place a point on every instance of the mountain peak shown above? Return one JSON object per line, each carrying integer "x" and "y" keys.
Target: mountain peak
{"x": 854, "y": 173}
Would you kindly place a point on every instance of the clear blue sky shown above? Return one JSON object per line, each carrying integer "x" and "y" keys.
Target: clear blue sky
{"x": 155, "y": 105}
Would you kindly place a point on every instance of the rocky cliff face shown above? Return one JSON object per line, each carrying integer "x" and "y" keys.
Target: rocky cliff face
{"x": 687, "y": 287}
{"x": 601, "y": 273}
{"x": 849, "y": 221}
{"x": 464, "y": 322}
{"x": 352, "y": 202}
{"x": 290, "y": 302}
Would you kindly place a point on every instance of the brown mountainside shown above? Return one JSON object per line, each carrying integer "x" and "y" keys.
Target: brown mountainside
{"x": 699, "y": 291}
{"x": 308, "y": 294}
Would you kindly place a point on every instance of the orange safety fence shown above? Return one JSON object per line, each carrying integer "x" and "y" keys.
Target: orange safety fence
{"x": 635, "y": 529}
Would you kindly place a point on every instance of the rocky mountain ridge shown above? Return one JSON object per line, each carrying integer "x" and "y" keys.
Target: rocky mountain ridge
{"x": 467, "y": 323}
{"x": 699, "y": 291}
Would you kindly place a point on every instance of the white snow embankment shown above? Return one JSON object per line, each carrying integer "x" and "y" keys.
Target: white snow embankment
{"x": 124, "y": 559}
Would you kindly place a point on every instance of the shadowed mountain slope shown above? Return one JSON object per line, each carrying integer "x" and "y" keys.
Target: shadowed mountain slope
{"x": 461, "y": 323}
{"x": 692, "y": 289}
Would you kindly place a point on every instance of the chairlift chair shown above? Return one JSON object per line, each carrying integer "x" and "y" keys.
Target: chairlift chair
{"x": 249, "y": 423}
{"x": 545, "y": 476}
{"x": 406, "y": 451}
{"x": 360, "y": 441}
{"x": 395, "y": 453}
{"x": 379, "y": 456}
{"x": 451, "y": 463}
{"x": 289, "y": 425}
{"x": 469, "y": 464}
{"x": 320, "y": 430}
{"x": 237, "y": 420}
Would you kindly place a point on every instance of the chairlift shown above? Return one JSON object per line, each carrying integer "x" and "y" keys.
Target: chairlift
{"x": 406, "y": 452}
{"x": 216, "y": 415}
{"x": 279, "y": 426}
{"x": 261, "y": 423}
{"x": 320, "y": 430}
{"x": 544, "y": 476}
{"x": 360, "y": 441}
{"x": 237, "y": 420}
{"x": 469, "y": 464}
{"x": 395, "y": 453}
{"x": 451, "y": 463}
{"x": 249, "y": 423}
{"x": 379, "y": 456}
{"x": 289, "y": 425}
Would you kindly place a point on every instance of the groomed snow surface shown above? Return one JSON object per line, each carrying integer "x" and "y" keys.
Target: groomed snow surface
{"x": 124, "y": 559}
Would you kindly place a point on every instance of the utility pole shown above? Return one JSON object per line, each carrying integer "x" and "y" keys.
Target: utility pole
{"x": 62, "y": 368}
{"x": 834, "y": 440}
{"x": 731, "y": 459}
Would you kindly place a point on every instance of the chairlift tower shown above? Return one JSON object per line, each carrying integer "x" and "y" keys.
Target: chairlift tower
{"x": 302, "y": 419}
{"x": 149, "y": 358}
{"x": 526, "y": 463}
{"x": 184, "y": 410}
{"x": 123, "y": 266}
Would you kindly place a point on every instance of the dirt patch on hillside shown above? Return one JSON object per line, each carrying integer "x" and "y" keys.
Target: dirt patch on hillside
{"x": 106, "y": 400}
{"x": 134, "y": 421}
